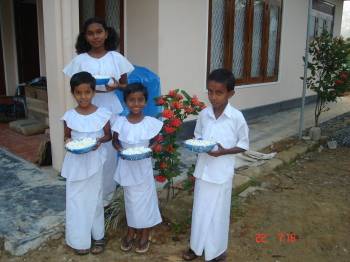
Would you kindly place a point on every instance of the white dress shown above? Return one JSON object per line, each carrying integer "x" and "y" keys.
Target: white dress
{"x": 111, "y": 64}
{"x": 84, "y": 204}
{"x": 136, "y": 177}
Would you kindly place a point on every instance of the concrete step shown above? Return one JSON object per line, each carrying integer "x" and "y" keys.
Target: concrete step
{"x": 37, "y": 104}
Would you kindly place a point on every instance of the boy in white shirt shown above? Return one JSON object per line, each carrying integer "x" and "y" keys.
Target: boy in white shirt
{"x": 214, "y": 171}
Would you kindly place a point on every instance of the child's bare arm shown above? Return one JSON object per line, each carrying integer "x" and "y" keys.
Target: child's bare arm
{"x": 223, "y": 151}
{"x": 107, "y": 135}
{"x": 67, "y": 132}
{"x": 116, "y": 142}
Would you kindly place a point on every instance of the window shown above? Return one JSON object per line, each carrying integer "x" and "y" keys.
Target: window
{"x": 111, "y": 10}
{"x": 322, "y": 18}
{"x": 244, "y": 36}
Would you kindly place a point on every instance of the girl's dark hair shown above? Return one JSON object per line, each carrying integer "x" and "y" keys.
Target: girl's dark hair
{"x": 133, "y": 88}
{"x": 111, "y": 43}
{"x": 82, "y": 78}
{"x": 223, "y": 76}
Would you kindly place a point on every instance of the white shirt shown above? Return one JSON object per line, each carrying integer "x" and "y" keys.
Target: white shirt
{"x": 230, "y": 130}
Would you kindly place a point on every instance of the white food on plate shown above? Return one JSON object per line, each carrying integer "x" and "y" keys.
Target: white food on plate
{"x": 81, "y": 143}
{"x": 197, "y": 142}
{"x": 136, "y": 151}
{"x": 101, "y": 77}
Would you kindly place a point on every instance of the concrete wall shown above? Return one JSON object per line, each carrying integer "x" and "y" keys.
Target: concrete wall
{"x": 142, "y": 34}
{"x": 183, "y": 38}
{"x": 9, "y": 45}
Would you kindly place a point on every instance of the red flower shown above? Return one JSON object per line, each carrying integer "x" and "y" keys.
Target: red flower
{"x": 160, "y": 178}
{"x": 157, "y": 148}
{"x": 160, "y": 101}
{"x": 159, "y": 138}
{"x": 175, "y": 122}
{"x": 167, "y": 113}
{"x": 338, "y": 82}
{"x": 172, "y": 93}
{"x": 170, "y": 148}
{"x": 179, "y": 97}
{"x": 168, "y": 129}
{"x": 176, "y": 105}
{"x": 189, "y": 110}
{"x": 195, "y": 101}
{"x": 163, "y": 165}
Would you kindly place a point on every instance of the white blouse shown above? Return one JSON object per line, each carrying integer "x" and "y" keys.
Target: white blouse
{"x": 230, "y": 130}
{"x": 128, "y": 172}
{"x": 111, "y": 64}
{"x": 81, "y": 166}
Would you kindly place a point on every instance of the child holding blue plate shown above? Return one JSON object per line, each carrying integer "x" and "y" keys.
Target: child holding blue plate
{"x": 96, "y": 48}
{"x": 136, "y": 177}
{"x": 83, "y": 172}
{"x": 214, "y": 172}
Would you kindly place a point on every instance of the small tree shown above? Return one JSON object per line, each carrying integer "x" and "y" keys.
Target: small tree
{"x": 329, "y": 70}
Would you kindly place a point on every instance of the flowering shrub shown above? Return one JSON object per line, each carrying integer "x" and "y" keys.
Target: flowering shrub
{"x": 177, "y": 106}
{"x": 329, "y": 70}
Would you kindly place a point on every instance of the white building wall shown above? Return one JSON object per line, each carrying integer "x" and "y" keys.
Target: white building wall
{"x": 183, "y": 39}
{"x": 182, "y": 48}
{"x": 141, "y": 33}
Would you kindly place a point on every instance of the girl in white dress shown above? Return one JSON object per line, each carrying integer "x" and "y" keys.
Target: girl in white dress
{"x": 83, "y": 172}
{"x": 136, "y": 177}
{"x": 96, "y": 48}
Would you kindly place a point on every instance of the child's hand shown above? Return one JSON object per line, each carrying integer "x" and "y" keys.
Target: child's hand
{"x": 113, "y": 86}
{"x": 67, "y": 140}
{"x": 219, "y": 152}
{"x": 98, "y": 143}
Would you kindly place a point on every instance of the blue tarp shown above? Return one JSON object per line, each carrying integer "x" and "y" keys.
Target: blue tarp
{"x": 152, "y": 82}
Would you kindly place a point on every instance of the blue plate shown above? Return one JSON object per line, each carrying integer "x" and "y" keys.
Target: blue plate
{"x": 199, "y": 149}
{"x": 102, "y": 80}
{"x": 136, "y": 157}
{"x": 81, "y": 150}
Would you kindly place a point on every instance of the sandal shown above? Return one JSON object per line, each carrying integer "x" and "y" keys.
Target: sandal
{"x": 126, "y": 245}
{"x": 81, "y": 252}
{"x": 143, "y": 247}
{"x": 98, "y": 246}
{"x": 189, "y": 255}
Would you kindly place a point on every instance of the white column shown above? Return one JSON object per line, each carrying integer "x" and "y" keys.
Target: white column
{"x": 41, "y": 41}
{"x": 61, "y": 27}
{"x": 8, "y": 38}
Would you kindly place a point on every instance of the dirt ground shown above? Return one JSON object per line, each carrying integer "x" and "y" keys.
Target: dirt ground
{"x": 301, "y": 213}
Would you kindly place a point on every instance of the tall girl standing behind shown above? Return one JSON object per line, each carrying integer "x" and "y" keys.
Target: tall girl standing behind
{"x": 136, "y": 177}
{"x": 96, "y": 48}
{"x": 84, "y": 204}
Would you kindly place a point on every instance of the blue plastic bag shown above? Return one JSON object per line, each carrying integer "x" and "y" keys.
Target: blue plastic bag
{"x": 152, "y": 82}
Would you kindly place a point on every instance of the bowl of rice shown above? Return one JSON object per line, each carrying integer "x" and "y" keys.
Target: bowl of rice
{"x": 136, "y": 153}
{"x": 101, "y": 79}
{"x": 199, "y": 145}
{"x": 81, "y": 146}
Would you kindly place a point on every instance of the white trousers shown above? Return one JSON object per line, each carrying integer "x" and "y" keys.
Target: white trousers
{"x": 141, "y": 205}
{"x": 210, "y": 218}
{"x": 84, "y": 211}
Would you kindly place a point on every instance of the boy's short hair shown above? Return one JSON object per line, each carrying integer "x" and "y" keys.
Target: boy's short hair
{"x": 223, "y": 76}
{"x": 82, "y": 78}
{"x": 133, "y": 88}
